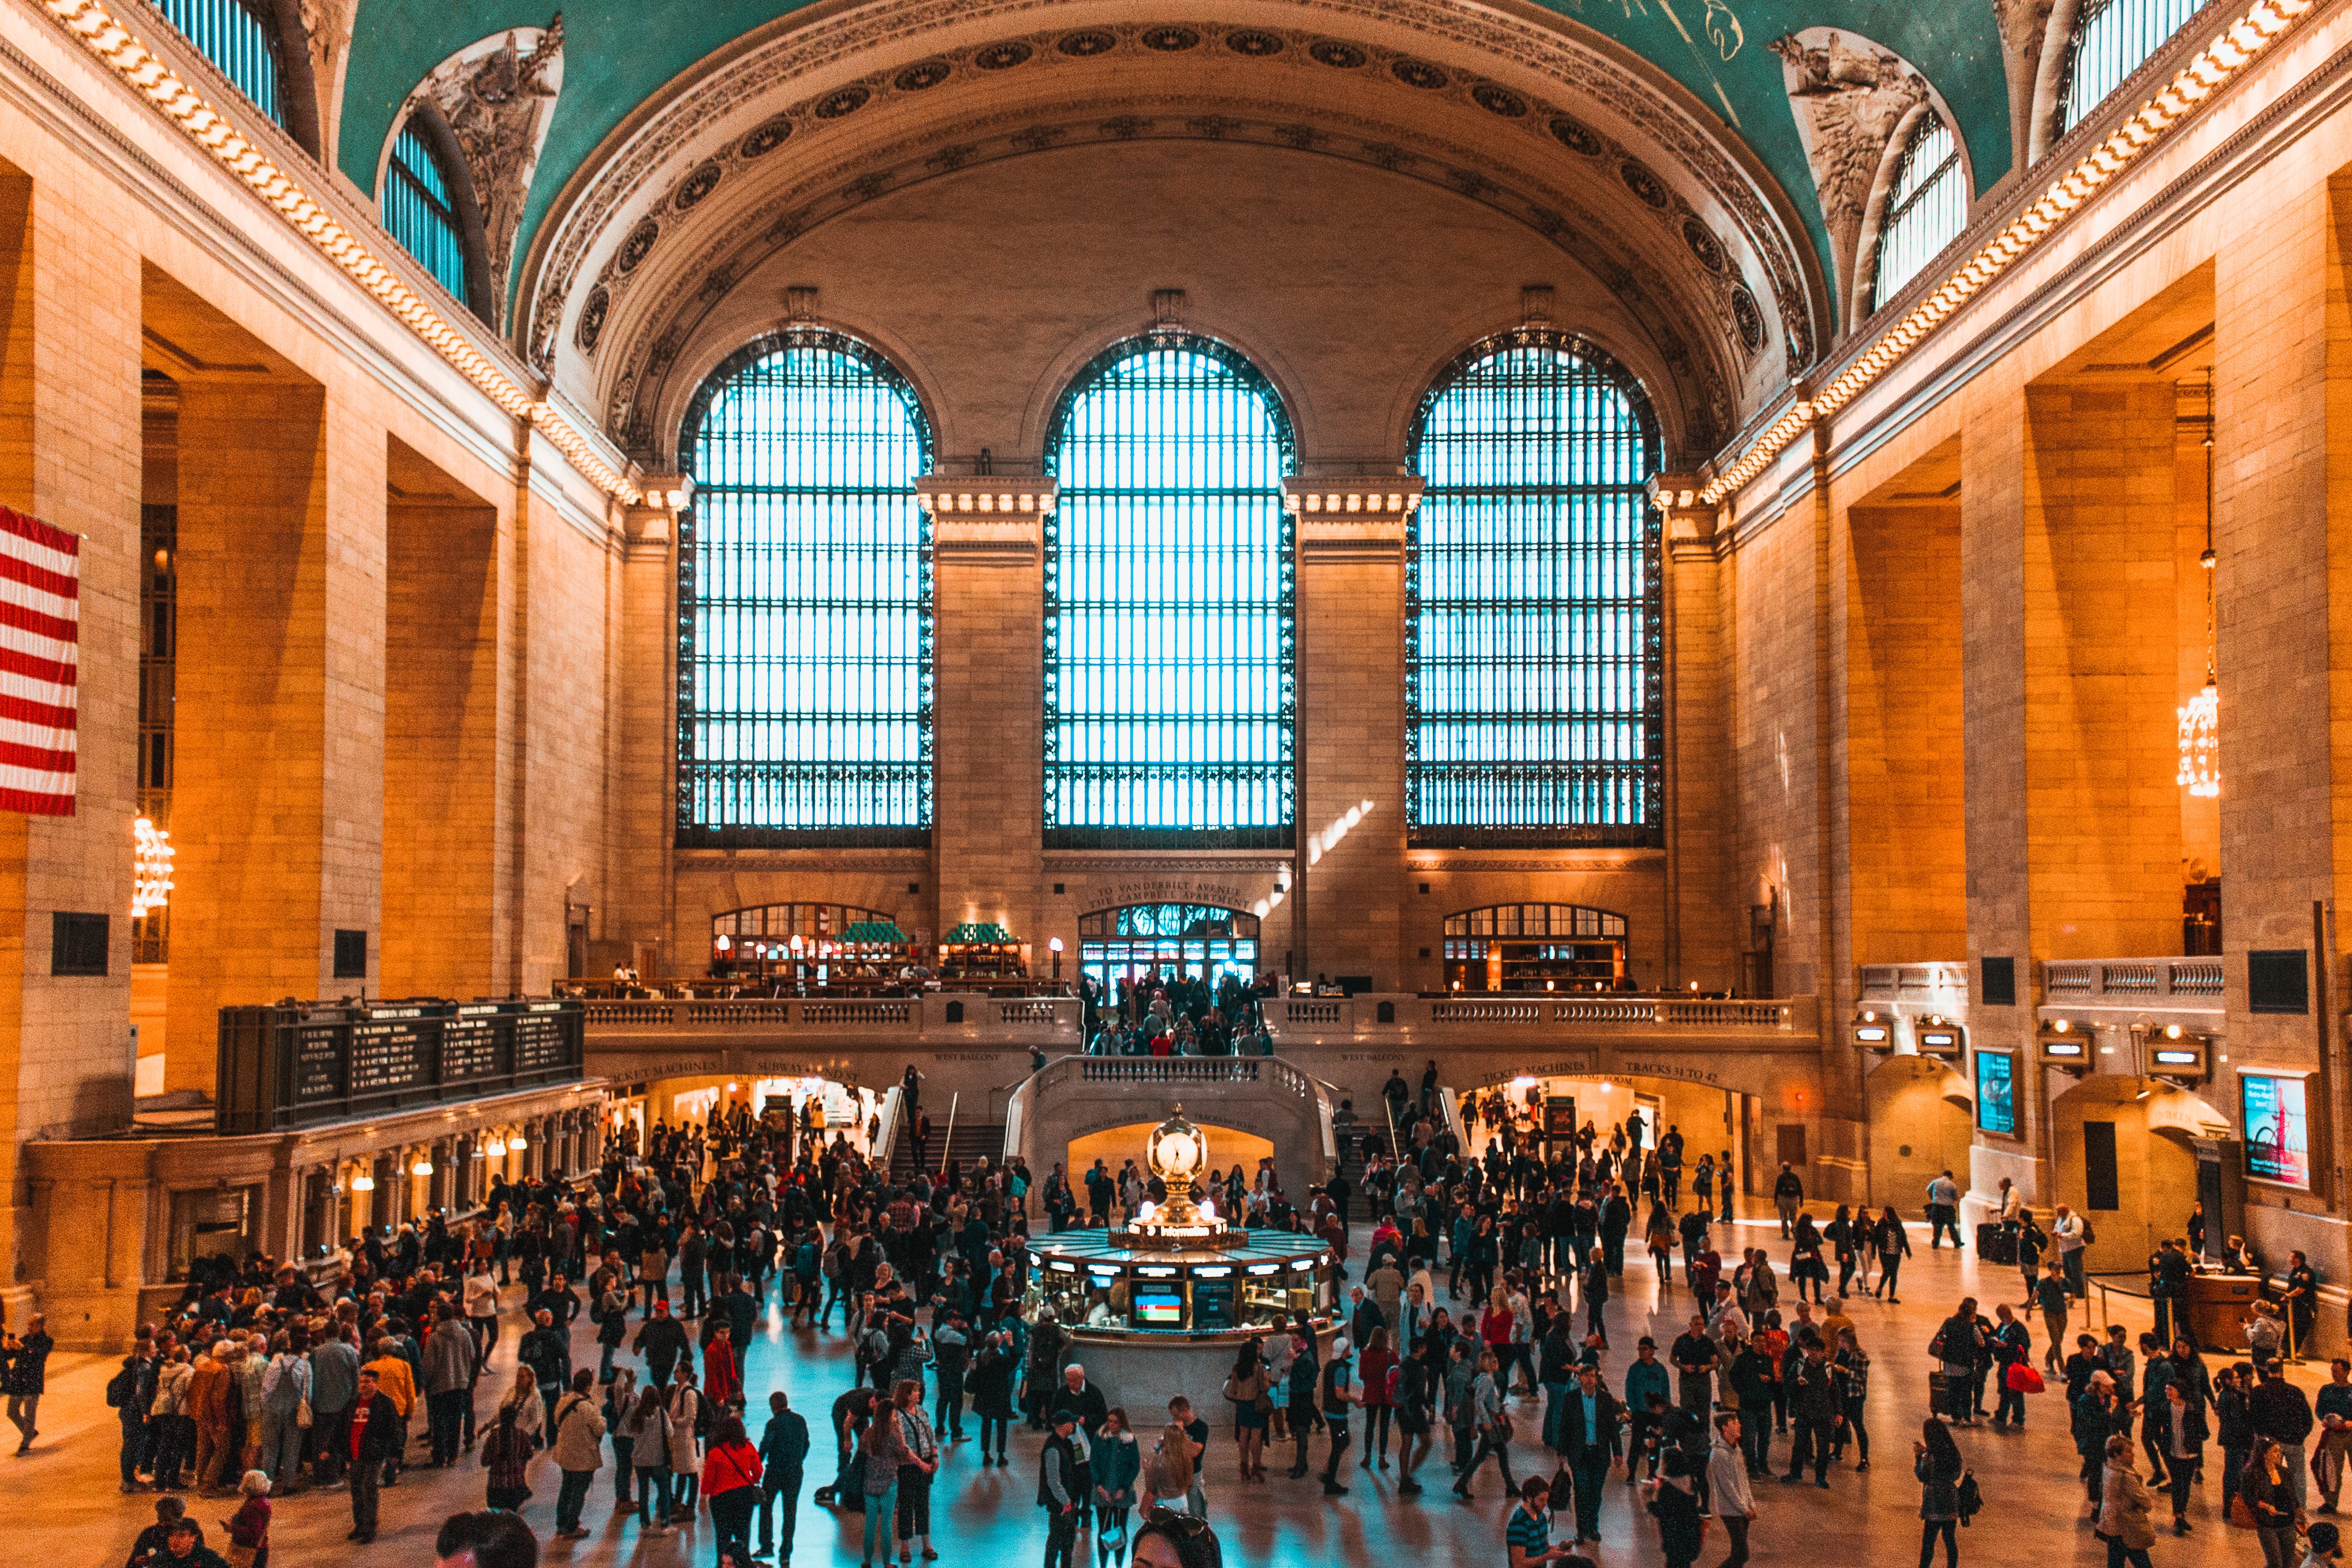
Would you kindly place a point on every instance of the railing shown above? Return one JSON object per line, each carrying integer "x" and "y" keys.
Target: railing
{"x": 1166, "y": 1069}
{"x": 1894, "y": 982}
{"x": 1445, "y": 1019}
{"x": 706, "y": 987}
{"x": 959, "y": 1016}
{"x": 1449, "y": 1106}
{"x": 2189, "y": 981}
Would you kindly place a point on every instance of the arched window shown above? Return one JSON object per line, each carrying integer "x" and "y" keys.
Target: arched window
{"x": 804, "y": 602}
{"x": 1169, "y": 603}
{"x": 1925, "y": 211}
{"x": 420, "y": 208}
{"x": 2112, "y": 38}
{"x": 241, "y": 38}
{"x": 1531, "y": 612}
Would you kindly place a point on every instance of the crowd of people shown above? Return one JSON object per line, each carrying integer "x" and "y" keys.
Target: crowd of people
{"x": 1483, "y": 1289}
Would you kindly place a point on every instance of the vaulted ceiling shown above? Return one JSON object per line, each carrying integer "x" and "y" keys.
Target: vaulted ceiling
{"x": 1705, "y": 163}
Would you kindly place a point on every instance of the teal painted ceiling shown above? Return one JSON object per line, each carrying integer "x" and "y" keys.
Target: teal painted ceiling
{"x": 618, "y": 53}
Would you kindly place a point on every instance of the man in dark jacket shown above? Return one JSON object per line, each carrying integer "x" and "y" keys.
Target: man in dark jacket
{"x": 1081, "y": 1398}
{"x": 1813, "y": 1408}
{"x": 1589, "y": 1426}
{"x": 28, "y": 1361}
{"x": 547, "y": 1351}
{"x": 2280, "y": 1410}
{"x": 448, "y": 1382}
{"x": 1061, "y": 1491}
{"x": 1753, "y": 1383}
{"x": 377, "y": 1437}
{"x": 783, "y": 1454}
{"x": 661, "y": 1339}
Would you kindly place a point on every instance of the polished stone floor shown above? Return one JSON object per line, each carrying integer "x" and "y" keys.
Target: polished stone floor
{"x": 66, "y": 1506}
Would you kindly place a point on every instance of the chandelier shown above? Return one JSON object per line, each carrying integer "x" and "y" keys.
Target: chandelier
{"x": 150, "y": 867}
{"x": 2200, "y": 716}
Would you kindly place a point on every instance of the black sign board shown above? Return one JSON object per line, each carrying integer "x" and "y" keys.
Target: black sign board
{"x": 300, "y": 1064}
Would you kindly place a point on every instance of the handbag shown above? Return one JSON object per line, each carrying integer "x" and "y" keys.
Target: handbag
{"x": 2021, "y": 1378}
{"x": 302, "y": 1416}
{"x": 2241, "y": 1513}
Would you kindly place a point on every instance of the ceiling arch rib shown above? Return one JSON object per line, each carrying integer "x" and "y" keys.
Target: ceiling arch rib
{"x": 1706, "y": 329}
{"x": 1579, "y": 144}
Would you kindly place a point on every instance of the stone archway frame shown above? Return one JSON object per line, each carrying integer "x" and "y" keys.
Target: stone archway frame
{"x": 653, "y": 154}
{"x": 1700, "y": 357}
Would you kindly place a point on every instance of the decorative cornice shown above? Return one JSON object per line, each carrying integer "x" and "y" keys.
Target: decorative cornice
{"x": 983, "y": 495}
{"x": 1367, "y": 501}
{"x": 2211, "y": 69}
{"x": 342, "y": 238}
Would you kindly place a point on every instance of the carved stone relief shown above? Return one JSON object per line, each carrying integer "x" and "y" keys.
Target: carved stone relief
{"x": 499, "y": 95}
{"x": 1848, "y": 96}
{"x": 327, "y": 27}
{"x": 694, "y": 118}
{"x": 2033, "y": 62}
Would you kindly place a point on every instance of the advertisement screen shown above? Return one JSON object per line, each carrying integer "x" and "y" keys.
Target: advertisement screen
{"x": 1996, "y": 1100}
{"x": 2278, "y": 1143}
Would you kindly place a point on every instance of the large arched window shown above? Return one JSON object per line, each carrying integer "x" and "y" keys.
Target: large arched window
{"x": 1169, "y": 603}
{"x": 1531, "y": 614}
{"x": 2112, "y": 39}
{"x": 1926, "y": 210}
{"x": 241, "y": 36}
{"x": 804, "y": 602}
{"x": 420, "y": 208}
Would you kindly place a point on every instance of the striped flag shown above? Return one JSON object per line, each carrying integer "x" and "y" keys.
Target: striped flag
{"x": 40, "y": 619}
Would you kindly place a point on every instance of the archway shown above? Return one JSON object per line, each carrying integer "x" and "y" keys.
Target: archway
{"x": 1920, "y": 1128}
{"x": 2124, "y": 1160}
{"x": 1135, "y": 941}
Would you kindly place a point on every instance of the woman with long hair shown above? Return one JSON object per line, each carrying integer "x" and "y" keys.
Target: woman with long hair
{"x": 1661, "y": 1233}
{"x": 1839, "y": 1234}
{"x": 1116, "y": 1462}
{"x": 1378, "y": 1367}
{"x": 646, "y": 1427}
{"x": 1935, "y": 1460}
{"x": 2269, "y": 1492}
{"x": 731, "y": 1481}
{"x": 918, "y": 1461}
{"x": 1805, "y": 1261}
{"x": 522, "y": 1397}
{"x": 1169, "y": 1476}
{"x": 1246, "y": 1387}
{"x": 505, "y": 1451}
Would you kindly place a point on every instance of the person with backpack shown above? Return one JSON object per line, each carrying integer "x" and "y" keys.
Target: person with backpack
{"x": 1936, "y": 1461}
{"x": 1338, "y": 1392}
{"x": 130, "y": 1393}
{"x": 1892, "y": 1245}
{"x": 689, "y": 1418}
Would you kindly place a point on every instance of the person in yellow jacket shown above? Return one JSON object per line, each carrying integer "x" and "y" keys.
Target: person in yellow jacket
{"x": 396, "y": 1381}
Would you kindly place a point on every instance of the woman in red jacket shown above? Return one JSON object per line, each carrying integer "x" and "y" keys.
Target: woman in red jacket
{"x": 1377, "y": 1367}
{"x": 731, "y": 1479}
{"x": 721, "y": 1384}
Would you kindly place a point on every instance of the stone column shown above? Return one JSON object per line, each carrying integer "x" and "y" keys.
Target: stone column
{"x": 1349, "y": 886}
{"x": 987, "y": 735}
{"x": 1704, "y": 918}
{"x": 279, "y": 805}
{"x": 69, "y": 455}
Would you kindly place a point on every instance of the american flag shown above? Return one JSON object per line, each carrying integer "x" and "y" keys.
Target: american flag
{"x": 41, "y": 617}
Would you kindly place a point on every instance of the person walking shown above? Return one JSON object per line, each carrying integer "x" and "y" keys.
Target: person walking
{"x": 2125, "y": 1505}
{"x": 1059, "y": 1491}
{"x": 918, "y": 1461}
{"x": 1338, "y": 1392}
{"x": 1247, "y": 1389}
{"x": 731, "y": 1479}
{"x": 783, "y": 1455}
{"x": 506, "y": 1453}
{"x": 883, "y": 1451}
{"x": 647, "y": 1428}
{"x": 1590, "y": 1424}
{"x": 1380, "y": 1379}
{"x": 1674, "y": 1503}
{"x": 2050, "y": 1295}
{"x": 2270, "y": 1496}
{"x": 990, "y": 1381}
{"x": 28, "y": 1361}
{"x": 1788, "y": 1197}
{"x": 449, "y": 1365}
{"x": 1815, "y": 1406}
{"x": 1491, "y": 1427}
{"x": 1943, "y": 1210}
{"x": 1892, "y": 1246}
{"x": 377, "y": 1435}
{"x": 1116, "y": 1463}
{"x": 576, "y": 1443}
{"x": 2181, "y": 1433}
{"x": 685, "y": 1407}
{"x": 1733, "y": 1500}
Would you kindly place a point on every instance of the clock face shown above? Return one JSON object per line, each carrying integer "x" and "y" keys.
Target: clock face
{"x": 1178, "y": 1151}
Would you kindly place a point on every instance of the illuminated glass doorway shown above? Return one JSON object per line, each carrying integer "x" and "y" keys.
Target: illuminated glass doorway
{"x": 1200, "y": 941}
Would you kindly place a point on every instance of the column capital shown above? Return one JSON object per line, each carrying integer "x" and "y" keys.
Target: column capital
{"x": 1685, "y": 519}
{"x": 985, "y": 518}
{"x": 1352, "y": 516}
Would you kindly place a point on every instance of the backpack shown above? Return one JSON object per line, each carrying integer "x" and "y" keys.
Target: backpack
{"x": 1562, "y": 1498}
{"x": 1972, "y": 1498}
{"x": 121, "y": 1389}
{"x": 2090, "y": 1236}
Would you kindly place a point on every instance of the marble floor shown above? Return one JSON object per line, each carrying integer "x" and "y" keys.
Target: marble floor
{"x": 64, "y": 1496}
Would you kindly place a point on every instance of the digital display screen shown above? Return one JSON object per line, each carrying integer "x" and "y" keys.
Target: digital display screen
{"x": 1160, "y": 1306}
{"x": 2177, "y": 1058}
{"x": 2062, "y": 1048}
{"x": 2278, "y": 1141}
{"x": 1996, "y": 1092}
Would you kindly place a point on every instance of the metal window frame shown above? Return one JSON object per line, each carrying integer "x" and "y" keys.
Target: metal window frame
{"x": 1650, "y": 832}
{"x": 2072, "y": 110}
{"x": 1274, "y": 835}
{"x": 1890, "y": 226}
{"x": 441, "y": 210}
{"x": 690, "y": 833}
{"x": 203, "y": 36}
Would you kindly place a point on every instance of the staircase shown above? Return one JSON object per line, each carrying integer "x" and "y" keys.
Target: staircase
{"x": 967, "y": 1144}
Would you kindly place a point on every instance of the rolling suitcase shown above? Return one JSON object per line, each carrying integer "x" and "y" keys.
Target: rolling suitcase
{"x": 1996, "y": 1242}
